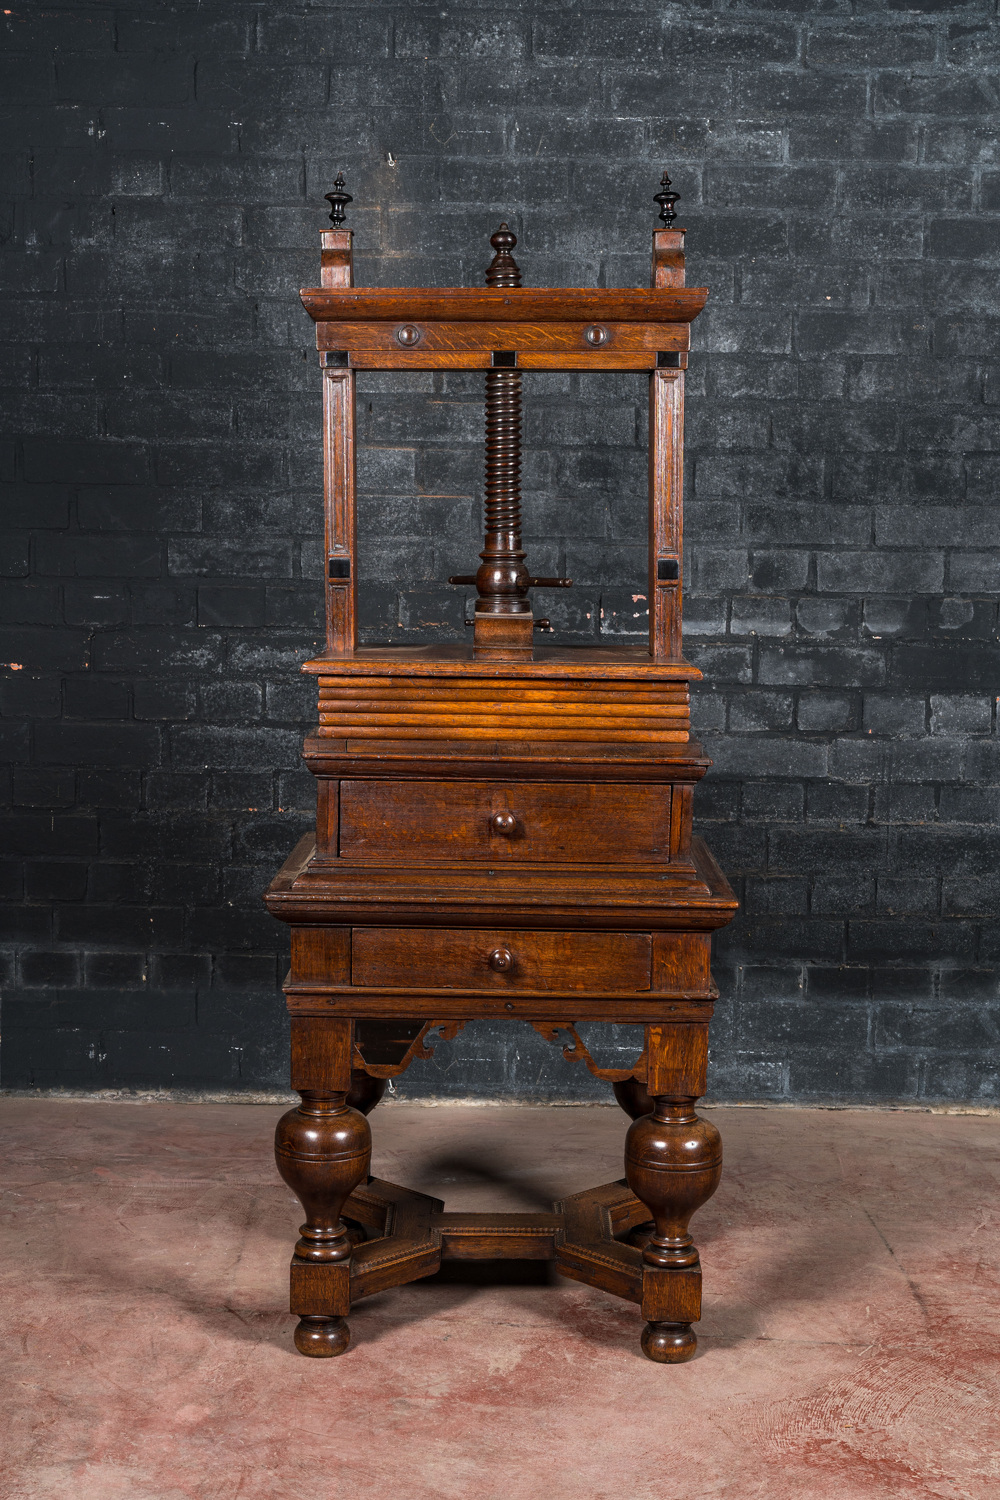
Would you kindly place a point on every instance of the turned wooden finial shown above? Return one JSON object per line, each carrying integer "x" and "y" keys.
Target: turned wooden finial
{"x": 503, "y": 269}
{"x": 666, "y": 199}
{"x": 338, "y": 200}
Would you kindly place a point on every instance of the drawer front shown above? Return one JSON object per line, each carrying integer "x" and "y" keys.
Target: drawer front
{"x": 388, "y": 821}
{"x": 500, "y": 959}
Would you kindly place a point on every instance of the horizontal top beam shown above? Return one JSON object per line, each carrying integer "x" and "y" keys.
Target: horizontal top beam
{"x": 503, "y": 304}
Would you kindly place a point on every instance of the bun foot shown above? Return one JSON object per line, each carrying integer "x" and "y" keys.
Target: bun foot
{"x": 322, "y": 1338}
{"x": 669, "y": 1343}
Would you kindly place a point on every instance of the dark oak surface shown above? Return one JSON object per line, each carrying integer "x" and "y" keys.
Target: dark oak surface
{"x": 503, "y": 828}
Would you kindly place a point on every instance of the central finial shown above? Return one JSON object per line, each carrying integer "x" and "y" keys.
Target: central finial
{"x": 503, "y": 269}
{"x": 338, "y": 201}
{"x": 666, "y": 199}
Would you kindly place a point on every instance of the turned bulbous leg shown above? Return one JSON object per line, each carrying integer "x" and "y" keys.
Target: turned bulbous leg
{"x": 673, "y": 1163}
{"x": 322, "y": 1338}
{"x": 669, "y": 1343}
{"x": 323, "y": 1149}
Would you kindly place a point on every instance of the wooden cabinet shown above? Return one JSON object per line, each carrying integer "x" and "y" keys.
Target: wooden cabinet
{"x": 503, "y": 828}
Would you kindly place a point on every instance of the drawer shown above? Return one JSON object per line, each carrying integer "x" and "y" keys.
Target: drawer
{"x": 389, "y": 821}
{"x": 464, "y": 958}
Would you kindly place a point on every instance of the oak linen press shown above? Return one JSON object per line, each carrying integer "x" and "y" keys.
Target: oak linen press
{"x": 503, "y": 829}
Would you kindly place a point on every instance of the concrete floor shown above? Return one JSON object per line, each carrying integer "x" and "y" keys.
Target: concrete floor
{"x": 850, "y": 1345}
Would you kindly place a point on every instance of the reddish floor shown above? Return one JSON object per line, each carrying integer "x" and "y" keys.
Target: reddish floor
{"x": 849, "y": 1347}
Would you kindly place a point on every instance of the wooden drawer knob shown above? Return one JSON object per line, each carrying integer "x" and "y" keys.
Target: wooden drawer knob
{"x": 503, "y": 822}
{"x": 501, "y": 960}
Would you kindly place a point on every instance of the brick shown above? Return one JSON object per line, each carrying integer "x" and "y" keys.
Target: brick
{"x": 91, "y": 697}
{"x": 773, "y": 801}
{"x": 973, "y": 573}
{"x": 784, "y": 93}
{"x": 877, "y": 573}
{"x": 968, "y": 667}
{"x": 922, "y": 94}
{"x": 843, "y": 449}
{"x": 802, "y": 524}
{"x": 96, "y": 745}
{"x": 841, "y": 895}
{"x": 831, "y": 802}
{"x": 894, "y": 617}
{"x": 910, "y": 939}
{"x": 821, "y": 667}
{"x": 838, "y": 332}
{"x": 794, "y": 937}
{"x": 182, "y": 32}
{"x": 758, "y": 711}
{"x": 825, "y": 712}
{"x": 124, "y": 79}
{"x": 956, "y": 714}
{"x": 36, "y": 506}
{"x": 37, "y": 788}
{"x": 44, "y": 649}
{"x": 882, "y": 1079}
{"x": 969, "y": 805}
{"x": 890, "y": 713}
{"x": 825, "y": 618}
{"x": 152, "y": 650}
{"x": 236, "y": 702}
{"x": 255, "y": 749}
{"x": 27, "y": 603}
{"x": 53, "y": 970}
{"x": 604, "y": 36}
{"x": 95, "y": 604}
{"x": 132, "y": 927}
{"x": 733, "y": 755}
{"x": 162, "y": 698}
{"x": 96, "y": 557}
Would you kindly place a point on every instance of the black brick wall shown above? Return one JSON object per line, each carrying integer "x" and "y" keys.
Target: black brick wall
{"x": 163, "y": 172}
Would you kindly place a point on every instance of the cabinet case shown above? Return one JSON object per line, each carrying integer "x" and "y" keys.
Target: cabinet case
{"x": 504, "y": 828}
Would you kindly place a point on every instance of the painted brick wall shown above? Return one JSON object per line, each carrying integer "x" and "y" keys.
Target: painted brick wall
{"x": 163, "y": 172}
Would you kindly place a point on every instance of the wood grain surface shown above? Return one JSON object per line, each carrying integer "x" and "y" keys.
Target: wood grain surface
{"x": 403, "y": 821}
{"x": 460, "y": 958}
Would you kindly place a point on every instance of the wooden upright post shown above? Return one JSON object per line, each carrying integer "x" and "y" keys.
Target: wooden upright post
{"x": 666, "y": 453}
{"x": 339, "y": 456}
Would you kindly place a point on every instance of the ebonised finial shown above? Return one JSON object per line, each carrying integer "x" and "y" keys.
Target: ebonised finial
{"x": 338, "y": 201}
{"x": 503, "y": 269}
{"x": 666, "y": 199}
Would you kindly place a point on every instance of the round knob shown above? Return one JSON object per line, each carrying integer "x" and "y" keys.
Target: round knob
{"x": 503, "y": 822}
{"x": 408, "y": 335}
{"x": 596, "y": 335}
{"x": 501, "y": 960}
